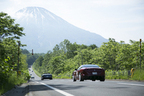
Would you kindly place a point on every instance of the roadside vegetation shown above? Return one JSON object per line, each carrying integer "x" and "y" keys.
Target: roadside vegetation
{"x": 117, "y": 58}
{"x": 11, "y": 74}
{"x": 137, "y": 74}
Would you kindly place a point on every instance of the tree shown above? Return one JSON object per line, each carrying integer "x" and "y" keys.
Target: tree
{"x": 8, "y": 28}
{"x": 93, "y": 46}
{"x": 25, "y": 51}
{"x": 39, "y": 61}
{"x": 8, "y": 32}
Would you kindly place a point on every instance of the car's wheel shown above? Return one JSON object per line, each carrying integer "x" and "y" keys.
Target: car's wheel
{"x": 74, "y": 79}
{"x": 102, "y": 79}
{"x": 80, "y": 77}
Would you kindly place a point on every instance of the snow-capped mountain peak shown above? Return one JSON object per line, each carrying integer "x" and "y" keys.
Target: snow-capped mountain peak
{"x": 37, "y": 15}
{"x": 44, "y": 30}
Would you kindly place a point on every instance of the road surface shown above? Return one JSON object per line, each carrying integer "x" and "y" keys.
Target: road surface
{"x": 66, "y": 87}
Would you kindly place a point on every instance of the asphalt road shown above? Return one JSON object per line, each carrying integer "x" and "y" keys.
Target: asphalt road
{"x": 66, "y": 87}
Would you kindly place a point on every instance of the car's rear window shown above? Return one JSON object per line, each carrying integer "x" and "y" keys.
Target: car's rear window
{"x": 88, "y": 66}
{"x": 47, "y": 75}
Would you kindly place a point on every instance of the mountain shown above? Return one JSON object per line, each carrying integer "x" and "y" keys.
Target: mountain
{"x": 44, "y": 30}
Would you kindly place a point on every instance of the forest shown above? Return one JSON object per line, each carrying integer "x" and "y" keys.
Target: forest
{"x": 112, "y": 56}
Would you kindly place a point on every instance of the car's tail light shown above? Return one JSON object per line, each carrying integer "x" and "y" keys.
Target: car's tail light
{"x": 83, "y": 72}
{"x": 103, "y": 72}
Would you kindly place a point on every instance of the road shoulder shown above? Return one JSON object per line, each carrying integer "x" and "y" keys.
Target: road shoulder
{"x": 18, "y": 90}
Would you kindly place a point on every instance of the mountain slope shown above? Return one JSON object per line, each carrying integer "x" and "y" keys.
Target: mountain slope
{"x": 44, "y": 30}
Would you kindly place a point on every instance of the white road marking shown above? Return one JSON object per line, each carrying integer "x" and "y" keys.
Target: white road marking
{"x": 60, "y": 91}
{"x": 131, "y": 84}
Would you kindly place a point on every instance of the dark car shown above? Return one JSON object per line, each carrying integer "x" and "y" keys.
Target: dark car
{"x": 89, "y": 72}
{"x": 32, "y": 77}
{"x": 46, "y": 76}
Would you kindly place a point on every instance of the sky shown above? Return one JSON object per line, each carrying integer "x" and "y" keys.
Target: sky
{"x": 122, "y": 20}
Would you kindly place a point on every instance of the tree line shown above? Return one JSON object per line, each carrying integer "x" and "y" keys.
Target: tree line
{"x": 112, "y": 55}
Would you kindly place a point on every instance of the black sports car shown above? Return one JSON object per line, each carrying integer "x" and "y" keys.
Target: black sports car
{"x": 46, "y": 76}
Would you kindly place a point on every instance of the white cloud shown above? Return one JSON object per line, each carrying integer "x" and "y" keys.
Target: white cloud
{"x": 107, "y": 3}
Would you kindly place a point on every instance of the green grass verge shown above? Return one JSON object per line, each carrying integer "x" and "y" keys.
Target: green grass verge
{"x": 123, "y": 74}
{"x": 138, "y": 75}
{"x": 36, "y": 72}
{"x": 8, "y": 81}
{"x": 62, "y": 76}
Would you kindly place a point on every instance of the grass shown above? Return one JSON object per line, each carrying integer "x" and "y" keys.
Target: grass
{"x": 138, "y": 75}
{"x": 121, "y": 74}
{"x": 62, "y": 76}
{"x": 36, "y": 72}
{"x": 10, "y": 80}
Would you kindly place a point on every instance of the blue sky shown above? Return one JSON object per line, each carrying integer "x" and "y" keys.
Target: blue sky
{"x": 118, "y": 19}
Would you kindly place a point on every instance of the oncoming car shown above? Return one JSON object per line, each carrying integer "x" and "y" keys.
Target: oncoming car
{"x": 89, "y": 72}
{"x": 46, "y": 76}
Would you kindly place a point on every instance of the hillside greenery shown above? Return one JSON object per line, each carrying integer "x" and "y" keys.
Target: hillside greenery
{"x": 9, "y": 35}
{"x": 114, "y": 57}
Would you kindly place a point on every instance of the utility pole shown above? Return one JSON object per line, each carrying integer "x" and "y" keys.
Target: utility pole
{"x": 18, "y": 56}
{"x": 137, "y": 60}
{"x": 140, "y": 54}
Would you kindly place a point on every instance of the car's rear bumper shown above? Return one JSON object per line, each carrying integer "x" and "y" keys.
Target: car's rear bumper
{"x": 93, "y": 77}
{"x": 47, "y": 78}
